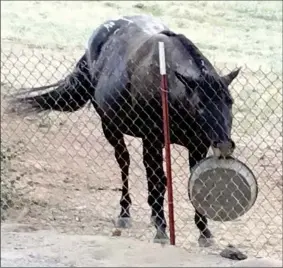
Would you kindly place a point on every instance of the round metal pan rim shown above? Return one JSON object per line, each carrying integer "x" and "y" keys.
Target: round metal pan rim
{"x": 212, "y": 164}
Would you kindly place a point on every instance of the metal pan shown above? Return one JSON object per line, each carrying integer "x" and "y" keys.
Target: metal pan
{"x": 222, "y": 189}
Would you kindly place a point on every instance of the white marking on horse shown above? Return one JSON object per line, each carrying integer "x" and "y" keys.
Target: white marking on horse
{"x": 112, "y": 23}
{"x": 129, "y": 21}
{"x": 109, "y": 25}
{"x": 116, "y": 31}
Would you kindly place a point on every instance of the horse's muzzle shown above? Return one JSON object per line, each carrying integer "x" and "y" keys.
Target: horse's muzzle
{"x": 223, "y": 149}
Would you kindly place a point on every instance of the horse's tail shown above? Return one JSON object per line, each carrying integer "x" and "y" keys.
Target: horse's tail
{"x": 67, "y": 95}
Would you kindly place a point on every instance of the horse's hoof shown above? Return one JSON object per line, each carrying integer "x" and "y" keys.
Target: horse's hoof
{"x": 161, "y": 237}
{"x": 124, "y": 222}
{"x": 205, "y": 242}
{"x": 152, "y": 220}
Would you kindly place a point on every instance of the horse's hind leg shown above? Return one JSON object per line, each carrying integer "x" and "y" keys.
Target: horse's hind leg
{"x": 205, "y": 238}
{"x": 122, "y": 156}
{"x": 153, "y": 162}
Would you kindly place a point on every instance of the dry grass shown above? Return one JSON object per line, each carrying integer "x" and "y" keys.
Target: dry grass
{"x": 226, "y": 31}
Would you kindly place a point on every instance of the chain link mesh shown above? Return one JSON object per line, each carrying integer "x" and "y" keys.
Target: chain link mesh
{"x": 60, "y": 170}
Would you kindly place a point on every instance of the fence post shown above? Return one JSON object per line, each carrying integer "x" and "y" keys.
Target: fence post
{"x": 164, "y": 95}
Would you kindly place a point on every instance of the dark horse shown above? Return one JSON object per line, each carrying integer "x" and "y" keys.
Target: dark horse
{"x": 119, "y": 74}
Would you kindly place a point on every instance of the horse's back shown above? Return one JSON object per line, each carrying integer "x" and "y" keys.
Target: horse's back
{"x": 120, "y": 48}
{"x": 132, "y": 27}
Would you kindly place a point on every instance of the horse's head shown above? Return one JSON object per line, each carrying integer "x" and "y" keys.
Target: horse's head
{"x": 213, "y": 108}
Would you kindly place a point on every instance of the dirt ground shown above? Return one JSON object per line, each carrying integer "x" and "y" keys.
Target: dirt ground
{"x": 72, "y": 181}
{"x": 44, "y": 249}
{"x": 24, "y": 246}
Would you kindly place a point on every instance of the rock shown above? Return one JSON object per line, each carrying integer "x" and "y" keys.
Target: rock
{"x": 116, "y": 232}
{"x": 139, "y": 5}
{"x": 231, "y": 252}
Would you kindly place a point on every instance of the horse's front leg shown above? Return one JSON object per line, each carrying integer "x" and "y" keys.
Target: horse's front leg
{"x": 153, "y": 162}
{"x": 196, "y": 154}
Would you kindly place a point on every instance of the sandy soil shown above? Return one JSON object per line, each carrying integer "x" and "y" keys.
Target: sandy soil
{"x": 50, "y": 249}
{"x": 72, "y": 181}
{"x": 24, "y": 246}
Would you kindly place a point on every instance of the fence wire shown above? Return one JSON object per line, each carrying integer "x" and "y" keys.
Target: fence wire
{"x": 61, "y": 170}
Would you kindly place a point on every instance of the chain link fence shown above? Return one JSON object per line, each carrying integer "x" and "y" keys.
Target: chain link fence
{"x": 58, "y": 169}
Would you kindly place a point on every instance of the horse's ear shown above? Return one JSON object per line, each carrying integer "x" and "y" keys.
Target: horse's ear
{"x": 227, "y": 79}
{"x": 189, "y": 83}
